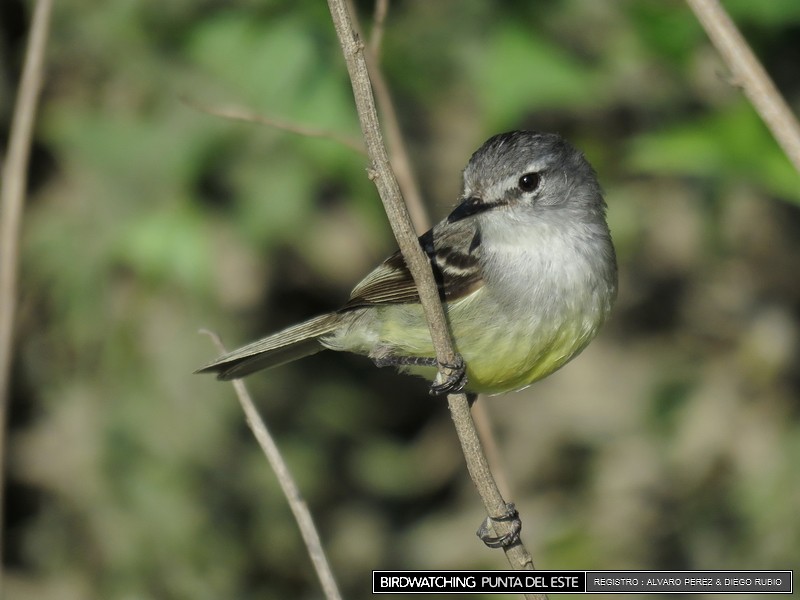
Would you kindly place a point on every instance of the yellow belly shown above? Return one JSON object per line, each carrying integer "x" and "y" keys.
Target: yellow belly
{"x": 519, "y": 361}
{"x": 500, "y": 356}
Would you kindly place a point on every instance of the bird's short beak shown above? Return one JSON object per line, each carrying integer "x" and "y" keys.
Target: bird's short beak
{"x": 471, "y": 206}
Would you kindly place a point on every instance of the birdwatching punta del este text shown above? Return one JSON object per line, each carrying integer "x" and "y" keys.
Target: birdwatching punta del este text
{"x": 582, "y": 582}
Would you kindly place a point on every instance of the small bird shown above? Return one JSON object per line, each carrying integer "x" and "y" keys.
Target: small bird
{"x": 525, "y": 268}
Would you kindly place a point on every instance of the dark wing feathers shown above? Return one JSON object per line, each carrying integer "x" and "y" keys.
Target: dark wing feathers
{"x": 454, "y": 254}
{"x": 389, "y": 283}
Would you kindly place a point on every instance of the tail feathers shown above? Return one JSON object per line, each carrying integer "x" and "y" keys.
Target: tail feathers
{"x": 279, "y": 348}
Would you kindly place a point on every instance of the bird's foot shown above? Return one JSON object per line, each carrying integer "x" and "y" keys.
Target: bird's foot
{"x": 508, "y": 539}
{"x": 454, "y": 379}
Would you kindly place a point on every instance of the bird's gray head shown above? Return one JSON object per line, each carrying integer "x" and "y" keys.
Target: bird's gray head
{"x": 521, "y": 169}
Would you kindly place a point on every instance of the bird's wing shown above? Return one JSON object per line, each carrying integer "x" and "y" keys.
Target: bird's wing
{"x": 454, "y": 252}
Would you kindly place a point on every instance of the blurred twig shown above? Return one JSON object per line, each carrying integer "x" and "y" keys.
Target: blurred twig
{"x": 483, "y": 423}
{"x": 296, "y": 503}
{"x": 752, "y": 77}
{"x": 400, "y": 160}
{"x": 378, "y": 19}
{"x": 241, "y": 114}
{"x": 384, "y": 178}
{"x": 12, "y": 199}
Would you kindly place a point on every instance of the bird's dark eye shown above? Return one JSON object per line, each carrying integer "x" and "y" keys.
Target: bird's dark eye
{"x": 529, "y": 182}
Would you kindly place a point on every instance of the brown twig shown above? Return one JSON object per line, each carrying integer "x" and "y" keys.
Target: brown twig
{"x": 400, "y": 159}
{"x": 401, "y": 163}
{"x": 12, "y": 198}
{"x": 483, "y": 424}
{"x": 378, "y": 20}
{"x": 382, "y": 175}
{"x": 288, "y": 485}
{"x": 752, "y": 77}
{"x": 241, "y": 114}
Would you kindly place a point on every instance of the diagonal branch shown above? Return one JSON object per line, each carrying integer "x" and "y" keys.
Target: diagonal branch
{"x": 288, "y": 485}
{"x": 378, "y": 21}
{"x": 401, "y": 164}
{"x": 382, "y": 175}
{"x": 400, "y": 159}
{"x": 12, "y": 198}
{"x": 749, "y": 73}
{"x": 242, "y": 114}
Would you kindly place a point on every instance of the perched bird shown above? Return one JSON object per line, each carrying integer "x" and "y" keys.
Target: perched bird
{"x": 525, "y": 268}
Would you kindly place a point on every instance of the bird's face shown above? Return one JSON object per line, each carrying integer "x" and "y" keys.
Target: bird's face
{"x": 524, "y": 174}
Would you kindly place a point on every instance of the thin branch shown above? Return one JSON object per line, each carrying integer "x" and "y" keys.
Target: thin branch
{"x": 288, "y": 485}
{"x": 749, "y": 73}
{"x": 241, "y": 114}
{"x": 378, "y": 20}
{"x": 483, "y": 424}
{"x": 400, "y": 159}
{"x": 12, "y": 198}
{"x": 382, "y": 175}
{"x": 401, "y": 163}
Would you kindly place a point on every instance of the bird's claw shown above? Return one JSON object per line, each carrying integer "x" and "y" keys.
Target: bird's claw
{"x": 454, "y": 381}
{"x": 508, "y": 539}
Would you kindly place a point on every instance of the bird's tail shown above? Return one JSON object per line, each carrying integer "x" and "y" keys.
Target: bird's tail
{"x": 279, "y": 348}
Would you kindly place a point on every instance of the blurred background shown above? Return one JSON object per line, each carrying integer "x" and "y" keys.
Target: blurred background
{"x": 672, "y": 442}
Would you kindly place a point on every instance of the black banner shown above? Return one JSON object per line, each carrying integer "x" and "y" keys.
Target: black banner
{"x": 580, "y": 582}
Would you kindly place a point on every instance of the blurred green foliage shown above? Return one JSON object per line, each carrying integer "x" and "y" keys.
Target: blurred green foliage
{"x": 672, "y": 442}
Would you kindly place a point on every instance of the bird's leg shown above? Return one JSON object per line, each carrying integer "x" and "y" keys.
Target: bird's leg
{"x": 454, "y": 381}
{"x": 508, "y": 539}
{"x": 404, "y": 361}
